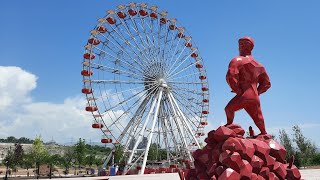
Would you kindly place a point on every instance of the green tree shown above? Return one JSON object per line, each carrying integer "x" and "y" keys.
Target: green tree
{"x": 11, "y": 139}
{"x": 9, "y": 158}
{"x": 162, "y": 154}
{"x": 27, "y": 161}
{"x": 67, "y": 158}
{"x": 306, "y": 149}
{"x": 52, "y": 161}
{"x": 90, "y": 159}
{"x": 39, "y": 153}
{"x": 98, "y": 162}
{"x": 153, "y": 152}
{"x": 287, "y": 143}
{"x": 80, "y": 150}
{"x": 118, "y": 154}
{"x": 315, "y": 160}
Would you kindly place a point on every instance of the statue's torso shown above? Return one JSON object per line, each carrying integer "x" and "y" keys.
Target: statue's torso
{"x": 249, "y": 71}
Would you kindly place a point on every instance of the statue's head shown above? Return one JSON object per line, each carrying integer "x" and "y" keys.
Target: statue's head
{"x": 246, "y": 45}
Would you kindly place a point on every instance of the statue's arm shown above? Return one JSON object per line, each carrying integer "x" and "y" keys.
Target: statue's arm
{"x": 264, "y": 83}
{"x": 232, "y": 76}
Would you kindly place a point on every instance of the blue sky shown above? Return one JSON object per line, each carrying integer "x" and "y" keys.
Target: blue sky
{"x": 46, "y": 39}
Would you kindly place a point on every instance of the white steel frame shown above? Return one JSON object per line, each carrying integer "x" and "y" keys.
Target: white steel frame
{"x": 146, "y": 85}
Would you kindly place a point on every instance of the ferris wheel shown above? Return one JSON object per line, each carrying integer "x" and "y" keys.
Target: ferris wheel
{"x": 145, "y": 81}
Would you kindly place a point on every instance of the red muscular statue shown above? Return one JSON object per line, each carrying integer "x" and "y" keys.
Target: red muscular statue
{"x": 248, "y": 79}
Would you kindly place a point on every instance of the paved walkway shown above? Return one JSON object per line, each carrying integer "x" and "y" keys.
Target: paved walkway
{"x": 307, "y": 174}
{"x": 310, "y": 174}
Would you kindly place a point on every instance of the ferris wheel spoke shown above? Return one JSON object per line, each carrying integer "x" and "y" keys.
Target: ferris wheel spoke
{"x": 188, "y": 108}
{"x": 138, "y": 115}
{"x": 118, "y": 81}
{"x": 119, "y": 92}
{"x": 180, "y": 127}
{"x": 136, "y": 43}
{"x": 164, "y": 129}
{"x": 122, "y": 50}
{"x": 159, "y": 40}
{"x": 182, "y": 61}
{"x": 145, "y": 33}
{"x": 175, "y": 53}
{"x": 152, "y": 34}
{"x": 148, "y": 93}
{"x": 119, "y": 46}
{"x": 179, "y": 77}
{"x": 116, "y": 71}
{"x": 170, "y": 128}
{"x": 134, "y": 126}
{"x": 190, "y": 82}
{"x": 154, "y": 49}
{"x": 136, "y": 29}
{"x": 124, "y": 101}
{"x": 184, "y": 120}
{"x": 148, "y": 39}
{"x": 152, "y": 129}
{"x": 192, "y": 113}
{"x": 182, "y": 70}
{"x": 164, "y": 56}
{"x": 146, "y": 57}
{"x": 126, "y": 112}
{"x": 117, "y": 59}
{"x": 178, "y": 57}
{"x": 187, "y": 98}
{"x": 141, "y": 133}
{"x": 192, "y": 91}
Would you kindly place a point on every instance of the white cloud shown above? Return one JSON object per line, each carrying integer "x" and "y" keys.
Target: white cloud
{"x": 15, "y": 86}
{"x": 20, "y": 116}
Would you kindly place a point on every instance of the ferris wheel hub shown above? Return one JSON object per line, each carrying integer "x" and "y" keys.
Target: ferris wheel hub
{"x": 162, "y": 83}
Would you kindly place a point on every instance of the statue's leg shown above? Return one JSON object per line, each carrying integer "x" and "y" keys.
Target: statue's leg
{"x": 234, "y": 105}
{"x": 254, "y": 110}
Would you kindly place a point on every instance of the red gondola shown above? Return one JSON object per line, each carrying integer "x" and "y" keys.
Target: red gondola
{"x": 172, "y": 27}
{"x": 97, "y": 125}
{"x": 94, "y": 41}
{"x": 205, "y": 100}
{"x": 181, "y": 35}
{"x": 194, "y": 55}
{"x": 204, "y": 123}
{"x": 132, "y": 12}
{"x": 106, "y": 140}
{"x": 89, "y": 56}
{"x": 163, "y": 20}
{"x": 204, "y": 89}
{"x": 121, "y": 14}
{"x": 199, "y": 66}
{"x": 86, "y": 73}
{"x": 91, "y": 108}
{"x": 202, "y": 77}
{"x": 86, "y": 90}
{"x": 111, "y": 20}
{"x": 143, "y": 12}
{"x": 154, "y": 15}
{"x": 101, "y": 29}
{"x": 188, "y": 44}
{"x": 200, "y": 133}
{"x": 205, "y": 112}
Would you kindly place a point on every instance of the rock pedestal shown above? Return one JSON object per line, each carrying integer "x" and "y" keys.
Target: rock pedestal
{"x": 229, "y": 155}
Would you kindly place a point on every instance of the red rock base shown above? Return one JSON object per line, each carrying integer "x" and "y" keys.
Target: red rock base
{"x": 228, "y": 155}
